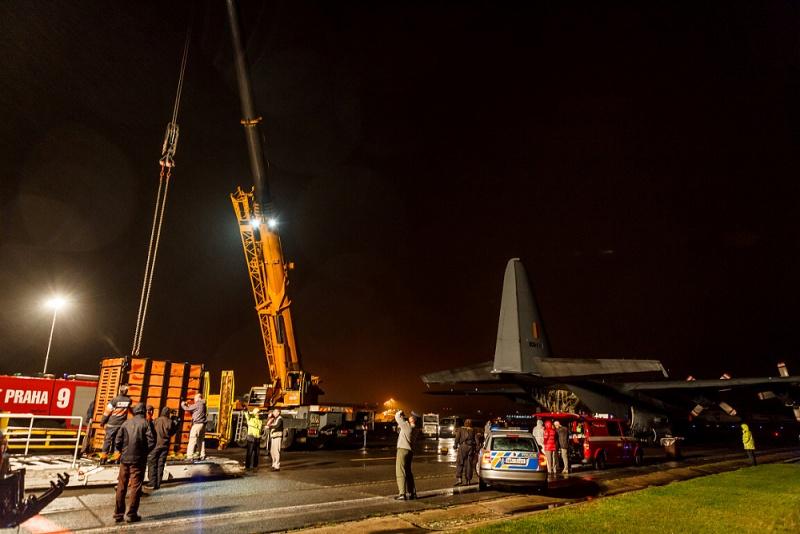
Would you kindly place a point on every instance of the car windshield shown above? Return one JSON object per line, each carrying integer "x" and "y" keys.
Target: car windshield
{"x": 429, "y": 419}
{"x": 509, "y": 443}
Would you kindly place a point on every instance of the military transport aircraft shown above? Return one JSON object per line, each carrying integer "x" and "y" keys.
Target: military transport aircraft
{"x": 637, "y": 389}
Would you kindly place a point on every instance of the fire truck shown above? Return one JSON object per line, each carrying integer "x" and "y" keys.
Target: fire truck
{"x": 599, "y": 440}
{"x": 38, "y": 396}
{"x": 53, "y": 400}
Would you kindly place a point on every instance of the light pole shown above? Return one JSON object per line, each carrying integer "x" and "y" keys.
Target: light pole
{"x": 55, "y": 304}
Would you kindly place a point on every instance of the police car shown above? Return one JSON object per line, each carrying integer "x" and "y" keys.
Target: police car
{"x": 511, "y": 457}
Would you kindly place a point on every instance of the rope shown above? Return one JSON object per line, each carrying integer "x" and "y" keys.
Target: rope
{"x": 166, "y": 162}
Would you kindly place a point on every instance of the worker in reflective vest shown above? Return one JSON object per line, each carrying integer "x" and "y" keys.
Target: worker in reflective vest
{"x": 749, "y": 443}
{"x": 254, "y": 424}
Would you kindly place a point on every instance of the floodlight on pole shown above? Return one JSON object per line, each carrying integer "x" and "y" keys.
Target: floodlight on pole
{"x": 54, "y": 303}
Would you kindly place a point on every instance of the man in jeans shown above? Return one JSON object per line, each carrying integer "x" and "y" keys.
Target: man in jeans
{"x": 562, "y": 438}
{"x": 135, "y": 439}
{"x": 198, "y": 431}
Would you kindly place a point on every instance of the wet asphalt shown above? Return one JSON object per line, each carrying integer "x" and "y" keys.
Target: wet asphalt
{"x": 318, "y": 487}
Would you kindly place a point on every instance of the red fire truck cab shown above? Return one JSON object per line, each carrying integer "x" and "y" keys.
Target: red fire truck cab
{"x": 61, "y": 397}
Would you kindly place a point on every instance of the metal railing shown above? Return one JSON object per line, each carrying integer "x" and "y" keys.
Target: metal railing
{"x": 13, "y": 437}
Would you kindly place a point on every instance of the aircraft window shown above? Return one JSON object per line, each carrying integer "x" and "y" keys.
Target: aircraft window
{"x": 506, "y": 443}
{"x": 613, "y": 429}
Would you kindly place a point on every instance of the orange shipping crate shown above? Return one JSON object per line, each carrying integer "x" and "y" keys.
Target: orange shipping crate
{"x": 146, "y": 379}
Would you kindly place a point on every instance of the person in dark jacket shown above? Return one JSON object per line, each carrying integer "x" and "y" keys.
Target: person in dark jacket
{"x": 88, "y": 423}
{"x": 465, "y": 446}
{"x": 164, "y": 428}
{"x": 135, "y": 440}
{"x": 562, "y": 438}
{"x": 115, "y": 413}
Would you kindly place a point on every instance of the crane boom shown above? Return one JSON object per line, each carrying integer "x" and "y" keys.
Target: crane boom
{"x": 250, "y": 120}
{"x": 264, "y": 257}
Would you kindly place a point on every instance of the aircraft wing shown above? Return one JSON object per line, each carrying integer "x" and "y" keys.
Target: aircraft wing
{"x": 600, "y": 368}
{"x": 477, "y": 373}
{"x": 510, "y": 390}
{"x": 772, "y": 383}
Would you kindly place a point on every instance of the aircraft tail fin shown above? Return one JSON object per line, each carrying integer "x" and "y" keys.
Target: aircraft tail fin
{"x": 521, "y": 338}
{"x": 522, "y": 345}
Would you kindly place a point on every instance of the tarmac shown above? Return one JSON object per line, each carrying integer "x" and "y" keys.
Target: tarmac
{"x": 351, "y": 491}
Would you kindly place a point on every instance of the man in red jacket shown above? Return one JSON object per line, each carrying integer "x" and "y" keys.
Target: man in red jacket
{"x": 550, "y": 447}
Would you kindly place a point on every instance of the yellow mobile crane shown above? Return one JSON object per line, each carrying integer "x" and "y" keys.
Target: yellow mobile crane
{"x": 291, "y": 387}
{"x": 290, "y": 384}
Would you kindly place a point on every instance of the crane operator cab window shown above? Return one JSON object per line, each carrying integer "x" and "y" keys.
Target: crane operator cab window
{"x": 294, "y": 381}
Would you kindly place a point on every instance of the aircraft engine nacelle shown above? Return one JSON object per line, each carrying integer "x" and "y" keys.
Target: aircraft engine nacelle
{"x": 648, "y": 425}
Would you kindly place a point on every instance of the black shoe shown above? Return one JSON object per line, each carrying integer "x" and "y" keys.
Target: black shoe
{"x": 119, "y": 518}
{"x": 411, "y": 497}
{"x": 401, "y": 497}
{"x": 133, "y": 518}
{"x": 149, "y": 485}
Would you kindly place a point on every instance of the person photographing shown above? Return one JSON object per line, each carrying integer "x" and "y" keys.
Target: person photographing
{"x": 405, "y": 455}
{"x": 254, "y": 424}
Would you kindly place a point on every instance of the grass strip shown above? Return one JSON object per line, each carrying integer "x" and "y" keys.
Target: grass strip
{"x": 753, "y": 499}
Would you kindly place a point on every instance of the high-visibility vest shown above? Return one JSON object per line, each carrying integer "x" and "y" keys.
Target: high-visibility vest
{"x": 254, "y": 425}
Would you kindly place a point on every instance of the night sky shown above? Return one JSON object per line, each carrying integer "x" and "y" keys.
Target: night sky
{"x": 642, "y": 163}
